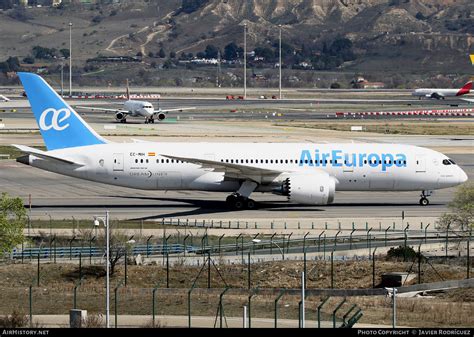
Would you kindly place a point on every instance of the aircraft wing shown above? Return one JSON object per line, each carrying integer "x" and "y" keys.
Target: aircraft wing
{"x": 177, "y": 109}
{"x": 470, "y": 100}
{"x": 235, "y": 171}
{"x": 102, "y": 109}
{"x": 45, "y": 155}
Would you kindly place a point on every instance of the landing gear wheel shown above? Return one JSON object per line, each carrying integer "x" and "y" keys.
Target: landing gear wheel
{"x": 239, "y": 203}
{"x": 424, "y": 202}
{"x": 152, "y": 121}
{"x": 251, "y": 204}
{"x": 230, "y": 200}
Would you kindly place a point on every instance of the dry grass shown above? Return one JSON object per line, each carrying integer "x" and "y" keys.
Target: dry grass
{"x": 407, "y": 127}
{"x": 55, "y": 295}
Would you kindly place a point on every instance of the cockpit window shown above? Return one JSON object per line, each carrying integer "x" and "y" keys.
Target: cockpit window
{"x": 446, "y": 162}
{"x": 452, "y": 162}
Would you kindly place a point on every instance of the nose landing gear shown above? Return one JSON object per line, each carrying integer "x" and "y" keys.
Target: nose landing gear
{"x": 424, "y": 198}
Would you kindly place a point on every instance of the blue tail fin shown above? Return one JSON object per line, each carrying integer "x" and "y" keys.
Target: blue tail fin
{"x": 60, "y": 126}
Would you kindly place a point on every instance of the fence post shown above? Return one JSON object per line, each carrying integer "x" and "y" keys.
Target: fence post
{"x": 373, "y": 268}
{"x": 468, "y": 257}
{"x": 167, "y": 270}
{"x": 221, "y": 305}
{"x": 319, "y": 311}
{"x": 116, "y": 303}
{"x": 426, "y": 228}
{"x": 386, "y": 235}
{"x": 282, "y": 292}
{"x": 30, "y": 298}
{"x": 350, "y": 239}
{"x": 250, "y": 310}
{"x": 332, "y": 270}
{"x": 153, "y": 312}
{"x": 319, "y": 241}
{"x": 248, "y": 272}
{"x": 38, "y": 271}
{"x": 334, "y": 312}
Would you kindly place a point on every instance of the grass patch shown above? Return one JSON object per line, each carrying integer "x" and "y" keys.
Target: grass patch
{"x": 395, "y": 127}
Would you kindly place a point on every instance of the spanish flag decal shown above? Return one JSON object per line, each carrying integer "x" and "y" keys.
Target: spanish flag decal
{"x": 151, "y": 154}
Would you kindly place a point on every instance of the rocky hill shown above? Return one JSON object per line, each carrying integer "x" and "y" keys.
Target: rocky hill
{"x": 386, "y": 35}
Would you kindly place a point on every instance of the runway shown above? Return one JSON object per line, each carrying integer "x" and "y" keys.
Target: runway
{"x": 64, "y": 197}
{"x": 219, "y": 108}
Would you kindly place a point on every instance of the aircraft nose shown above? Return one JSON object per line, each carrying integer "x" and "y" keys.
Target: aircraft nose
{"x": 462, "y": 176}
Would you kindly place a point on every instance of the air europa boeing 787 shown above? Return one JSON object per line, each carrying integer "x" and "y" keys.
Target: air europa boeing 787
{"x": 305, "y": 173}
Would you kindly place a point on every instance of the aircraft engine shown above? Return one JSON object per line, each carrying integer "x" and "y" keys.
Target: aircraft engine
{"x": 161, "y": 116}
{"x": 119, "y": 116}
{"x": 310, "y": 189}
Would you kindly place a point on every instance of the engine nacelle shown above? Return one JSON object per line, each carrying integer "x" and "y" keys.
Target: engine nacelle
{"x": 119, "y": 116}
{"x": 161, "y": 116}
{"x": 310, "y": 189}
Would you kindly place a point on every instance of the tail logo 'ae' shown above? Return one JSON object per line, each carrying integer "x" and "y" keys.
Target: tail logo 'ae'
{"x": 57, "y": 117}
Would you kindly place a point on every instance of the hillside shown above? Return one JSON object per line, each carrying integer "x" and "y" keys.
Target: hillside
{"x": 399, "y": 36}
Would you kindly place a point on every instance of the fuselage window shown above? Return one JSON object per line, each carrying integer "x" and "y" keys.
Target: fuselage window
{"x": 167, "y": 161}
{"x": 286, "y": 161}
{"x": 136, "y": 160}
{"x": 365, "y": 161}
{"x": 147, "y": 161}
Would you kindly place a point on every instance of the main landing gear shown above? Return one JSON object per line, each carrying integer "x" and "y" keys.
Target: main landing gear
{"x": 150, "y": 120}
{"x": 239, "y": 202}
{"x": 424, "y": 198}
{"x": 240, "y": 199}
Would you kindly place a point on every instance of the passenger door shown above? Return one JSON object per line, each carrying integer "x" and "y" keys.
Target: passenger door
{"x": 420, "y": 163}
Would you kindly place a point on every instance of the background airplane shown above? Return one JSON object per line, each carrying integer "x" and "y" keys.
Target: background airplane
{"x": 442, "y": 93}
{"x": 4, "y": 98}
{"x": 135, "y": 108}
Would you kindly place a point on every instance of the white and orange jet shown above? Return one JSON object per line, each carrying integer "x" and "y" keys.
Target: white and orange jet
{"x": 442, "y": 93}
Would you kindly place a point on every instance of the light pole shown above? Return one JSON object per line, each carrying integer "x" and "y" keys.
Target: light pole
{"x": 70, "y": 58}
{"x": 107, "y": 290}
{"x": 393, "y": 292}
{"x": 245, "y": 60}
{"x": 279, "y": 64}
{"x": 62, "y": 77}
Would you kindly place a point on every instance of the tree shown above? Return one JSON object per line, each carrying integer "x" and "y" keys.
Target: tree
{"x": 462, "y": 210}
{"x": 232, "y": 51}
{"x": 12, "y": 217}
{"x": 172, "y": 54}
{"x": 162, "y": 53}
{"x": 211, "y": 51}
{"x": 119, "y": 246}
{"x": 29, "y": 60}
{"x": 65, "y": 53}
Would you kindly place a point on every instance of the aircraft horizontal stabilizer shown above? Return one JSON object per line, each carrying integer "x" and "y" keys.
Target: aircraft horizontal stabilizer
{"x": 44, "y": 155}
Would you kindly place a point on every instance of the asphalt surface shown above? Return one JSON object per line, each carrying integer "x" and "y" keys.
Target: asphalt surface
{"x": 211, "y": 108}
{"x": 63, "y": 197}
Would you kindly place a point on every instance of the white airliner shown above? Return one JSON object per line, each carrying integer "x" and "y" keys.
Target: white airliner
{"x": 135, "y": 108}
{"x": 442, "y": 93}
{"x": 305, "y": 173}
